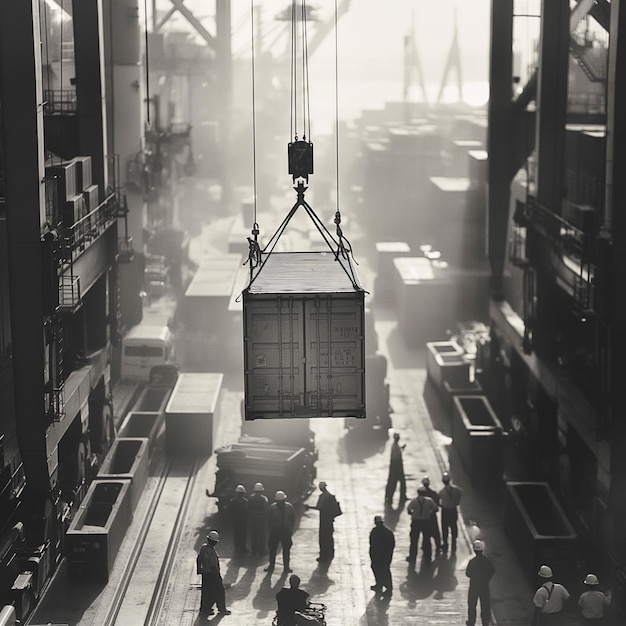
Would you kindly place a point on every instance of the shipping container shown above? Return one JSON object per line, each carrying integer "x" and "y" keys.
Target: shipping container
{"x": 304, "y": 338}
{"x": 192, "y": 415}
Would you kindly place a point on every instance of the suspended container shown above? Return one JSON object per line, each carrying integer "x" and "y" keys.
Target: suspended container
{"x": 304, "y": 338}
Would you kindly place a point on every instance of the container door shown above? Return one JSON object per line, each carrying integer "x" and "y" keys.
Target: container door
{"x": 273, "y": 354}
{"x": 335, "y": 361}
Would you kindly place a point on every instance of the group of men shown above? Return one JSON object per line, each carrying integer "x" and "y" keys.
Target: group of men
{"x": 423, "y": 509}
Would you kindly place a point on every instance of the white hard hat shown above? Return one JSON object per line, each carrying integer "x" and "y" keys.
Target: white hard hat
{"x": 280, "y": 495}
{"x": 258, "y": 487}
{"x": 213, "y": 535}
{"x": 591, "y": 579}
{"x": 545, "y": 572}
{"x": 425, "y": 480}
{"x": 445, "y": 476}
{"x": 478, "y": 545}
{"x": 240, "y": 489}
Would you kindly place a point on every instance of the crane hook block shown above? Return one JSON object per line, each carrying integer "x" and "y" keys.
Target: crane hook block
{"x": 300, "y": 155}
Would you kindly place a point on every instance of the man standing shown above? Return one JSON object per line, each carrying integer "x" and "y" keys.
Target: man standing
{"x": 396, "y": 471}
{"x": 208, "y": 565}
{"x": 480, "y": 571}
{"x": 449, "y": 498}
{"x": 327, "y": 506}
{"x": 420, "y": 509}
{"x": 258, "y": 510}
{"x": 548, "y": 600}
{"x": 282, "y": 518}
{"x": 238, "y": 508}
{"x": 592, "y": 601}
{"x": 431, "y": 493}
{"x": 382, "y": 544}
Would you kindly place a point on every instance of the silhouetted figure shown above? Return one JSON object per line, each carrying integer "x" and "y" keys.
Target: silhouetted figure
{"x": 435, "y": 534}
{"x": 208, "y": 566}
{"x": 479, "y": 570}
{"x": 449, "y": 499}
{"x": 382, "y": 544}
{"x": 420, "y": 509}
{"x": 292, "y": 601}
{"x": 328, "y": 507}
{"x": 238, "y": 509}
{"x": 282, "y": 518}
{"x": 258, "y": 512}
{"x": 396, "y": 471}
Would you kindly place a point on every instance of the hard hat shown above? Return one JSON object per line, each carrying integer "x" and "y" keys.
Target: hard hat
{"x": 280, "y": 495}
{"x": 426, "y": 481}
{"x": 545, "y": 572}
{"x": 240, "y": 489}
{"x": 591, "y": 579}
{"x": 445, "y": 477}
{"x": 322, "y": 484}
{"x": 258, "y": 487}
{"x": 378, "y": 519}
{"x": 213, "y": 535}
{"x": 478, "y": 545}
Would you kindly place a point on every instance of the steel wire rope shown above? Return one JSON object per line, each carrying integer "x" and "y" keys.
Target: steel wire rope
{"x": 145, "y": 25}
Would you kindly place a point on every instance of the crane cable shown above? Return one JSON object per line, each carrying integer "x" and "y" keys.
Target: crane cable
{"x": 254, "y": 253}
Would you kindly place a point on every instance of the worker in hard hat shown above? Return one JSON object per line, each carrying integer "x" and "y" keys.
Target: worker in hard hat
{"x": 549, "y": 599}
{"x": 593, "y": 601}
{"x": 434, "y": 532}
{"x": 449, "y": 500}
{"x": 282, "y": 519}
{"x": 208, "y": 566}
{"x": 258, "y": 512}
{"x": 396, "y": 471}
{"x": 238, "y": 509}
{"x": 480, "y": 571}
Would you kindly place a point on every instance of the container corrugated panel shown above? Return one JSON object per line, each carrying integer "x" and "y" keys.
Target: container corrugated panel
{"x": 304, "y": 339}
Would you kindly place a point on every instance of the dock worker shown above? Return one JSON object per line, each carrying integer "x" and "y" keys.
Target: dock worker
{"x": 208, "y": 566}
{"x": 431, "y": 493}
{"x": 258, "y": 511}
{"x": 480, "y": 571}
{"x": 382, "y": 544}
{"x": 549, "y": 599}
{"x": 238, "y": 509}
{"x": 396, "y": 471}
{"x": 282, "y": 519}
{"x": 449, "y": 499}
{"x": 420, "y": 509}
{"x": 328, "y": 507}
{"x": 593, "y": 601}
{"x": 292, "y": 603}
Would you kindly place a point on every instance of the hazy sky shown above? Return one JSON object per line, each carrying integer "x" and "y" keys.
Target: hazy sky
{"x": 370, "y": 44}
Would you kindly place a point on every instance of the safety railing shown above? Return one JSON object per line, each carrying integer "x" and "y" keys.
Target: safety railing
{"x": 69, "y": 292}
{"x": 59, "y": 101}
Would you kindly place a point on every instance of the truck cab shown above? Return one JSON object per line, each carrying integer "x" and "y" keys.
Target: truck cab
{"x": 143, "y": 347}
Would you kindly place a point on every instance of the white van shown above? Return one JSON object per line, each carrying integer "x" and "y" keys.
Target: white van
{"x": 143, "y": 347}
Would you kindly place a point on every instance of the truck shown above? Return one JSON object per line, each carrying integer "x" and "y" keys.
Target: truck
{"x": 279, "y": 453}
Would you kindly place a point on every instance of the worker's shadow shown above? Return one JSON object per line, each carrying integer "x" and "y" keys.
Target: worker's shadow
{"x": 392, "y": 514}
{"x": 239, "y": 588}
{"x": 445, "y": 580}
{"x": 265, "y": 599}
{"x": 376, "y": 611}
{"x": 319, "y": 582}
{"x": 419, "y": 583}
